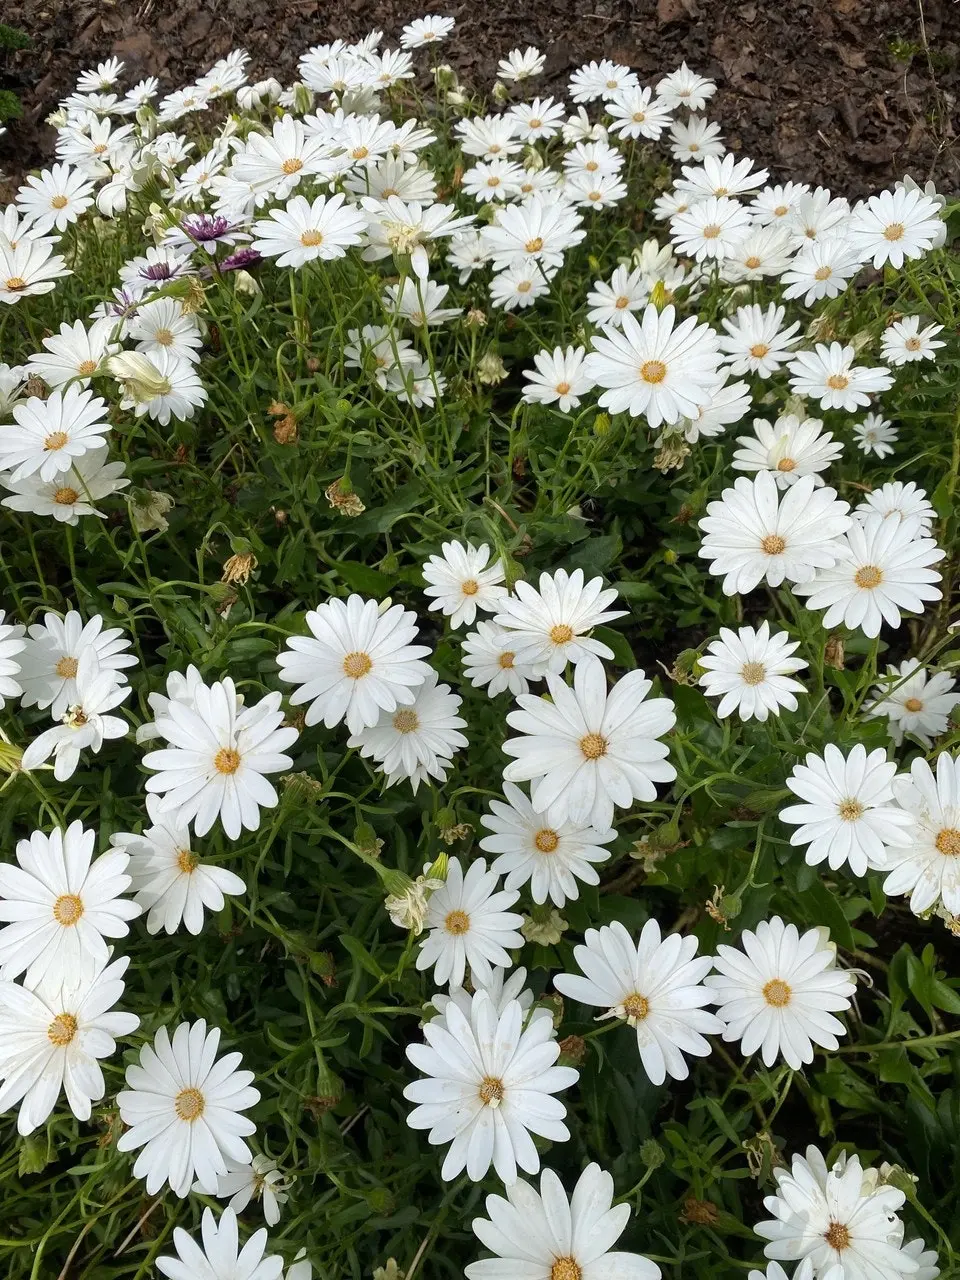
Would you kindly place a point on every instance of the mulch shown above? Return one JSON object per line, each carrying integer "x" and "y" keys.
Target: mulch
{"x": 846, "y": 93}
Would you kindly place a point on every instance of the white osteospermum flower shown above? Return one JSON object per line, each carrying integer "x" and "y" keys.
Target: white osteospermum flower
{"x": 904, "y": 341}
{"x": 901, "y": 500}
{"x": 419, "y": 302}
{"x": 755, "y": 534}
{"x": 53, "y": 652}
{"x": 635, "y": 113}
{"x": 61, "y": 903}
{"x": 489, "y": 662}
{"x": 67, "y": 498}
{"x": 12, "y": 644}
{"x": 521, "y": 64}
{"x": 461, "y": 580}
{"x": 355, "y": 663}
{"x": 535, "y": 231}
{"x": 763, "y": 252}
{"x": 518, "y": 286}
{"x": 602, "y": 79}
{"x": 593, "y": 159}
{"x": 470, "y": 923}
{"x": 777, "y": 202}
{"x": 217, "y": 758}
{"x": 174, "y": 389}
{"x": 173, "y": 884}
{"x": 307, "y": 230}
{"x": 926, "y": 865}
{"x": 51, "y": 1038}
{"x": 815, "y": 215}
{"x": 777, "y": 994}
{"x": 220, "y": 1257}
{"x": 493, "y": 180}
{"x": 914, "y": 701}
{"x": 559, "y": 377}
{"x": 85, "y": 723}
{"x": 30, "y": 268}
{"x": 788, "y": 449}
{"x": 875, "y": 435}
{"x": 54, "y": 198}
{"x": 396, "y": 226}
{"x": 756, "y": 340}
{"x": 164, "y": 326}
{"x": 726, "y": 404}
{"x": 695, "y": 138}
{"x": 76, "y": 352}
{"x": 589, "y": 749}
{"x": 541, "y": 118}
{"x": 552, "y": 859}
{"x": 847, "y": 814}
{"x": 655, "y": 984}
{"x": 416, "y": 741}
{"x": 501, "y": 990}
{"x": 720, "y": 176}
{"x": 709, "y": 228}
{"x": 839, "y": 1223}
{"x": 822, "y": 269}
{"x": 654, "y": 369}
{"x": 828, "y": 373}
{"x": 600, "y": 191}
{"x": 48, "y": 436}
{"x": 752, "y": 672}
{"x": 260, "y": 1180}
{"x": 183, "y": 1107}
{"x": 626, "y": 291}
{"x": 546, "y": 1237}
{"x": 684, "y": 88}
{"x": 894, "y": 226}
{"x": 548, "y": 624}
{"x": 884, "y": 566}
{"x": 428, "y": 30}
{"x": 488, "y": 1084}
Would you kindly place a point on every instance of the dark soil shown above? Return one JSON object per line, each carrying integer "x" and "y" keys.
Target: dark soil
{"x": 847, "y": 93}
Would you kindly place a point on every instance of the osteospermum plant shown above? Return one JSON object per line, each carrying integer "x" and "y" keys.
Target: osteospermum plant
{"x": 478, "y": 713}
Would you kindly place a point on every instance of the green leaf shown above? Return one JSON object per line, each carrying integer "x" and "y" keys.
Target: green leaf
{"x": 617, "y": 641}
{"x": 360, "y": 577}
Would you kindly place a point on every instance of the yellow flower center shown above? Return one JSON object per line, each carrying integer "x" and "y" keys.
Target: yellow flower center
{"x": 777, "y": 993}
{"x": 546, "y": 840}
{"x": 948, "y": 842}
{"x": 293, "y": 165}
{"x": 565, "y": 1269}
{"x": 563, "y": 388}
{"x": 653, "y": 371}
{"x": 100, "y": 148}
{"x": 506, "y": 660}
{"x": 913, "y": 704}
{"x": 561, "y": 633}
{"x": 67, "y": 910}
{"x": 837, "y": 1236}
{"x": 470, "y": 587}
{"x": 187, "y": 862}
{"x": 86, "y": 367}
{"x": 894, "y": 231}
{"x": 310, "y": 239}
{"x": 593, "y": 746}
{"x": 753, "y": 673}
{"x": 781, "y": 211}
{"x": 850, "y": 810}
{"x": 457, "y": 922}
{"x": 226, "y": 760}
{"x": 406, "y": 721}
{"x": 787, "y": 464}
{"x": 639, "y": 116}
{"x": 711, "y": 231}
{"x": 66, "y": 668}
{"x": 913, "y": 344}
{"x": 360, "y": 153}
{"x": 535, "y": 245}
{"x": 868, "y": 576}
{"x": 752, "y": 262}
{"x": 62, "y": 1029}
{"x": 622, "y": 302}
{"x": 493, "y": 181}
{"x": 823, "y": 273}
{"x": 164, "y": 337}
{"x": 636, "y": 1007}
{"x": 524, "y": 286}
{"x": 16, "y": 283}
{"x": 189, "y": 1105}
{"x": 759, "y": 350}
{"x": 534, "y": 123}
{"x": 838, "y": 382}
{"x": 491, "y": 1091}
{"x": 66, "y": 497}
{"x": 592, "y": 166}
{"x": 59, "y": 202}
{"x": 358, "y": 664}
{"x": 773, "y": 544}
{"x": 56, "y": 440}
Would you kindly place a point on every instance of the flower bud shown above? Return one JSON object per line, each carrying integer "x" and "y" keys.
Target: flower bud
{"x": 652, "y": 1154}
{"x": 139, "y": 377}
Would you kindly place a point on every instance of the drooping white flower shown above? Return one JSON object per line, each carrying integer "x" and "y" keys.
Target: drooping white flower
{"x": 488, "y": 1084}
{"x": 549, "y": 625}
{"x": 875, "y": 435}
{"x": 914, "y": 702}
{"x": 12, "y": 644}
{"x": 590, "y": 749}
{"x": 184, "y": 1108}
{"x": 85, "y": 723}
{"x": 848, "y": 814}
{"x": 752, "y": 671}
{"x": 927, "y": 862}
{"x": 461, "y": 580}
{"x": 261, "y": 1180}
{"x": 655, "y": 984}
{"x": 779, "y": 994}
{"x": 470, "y": 923}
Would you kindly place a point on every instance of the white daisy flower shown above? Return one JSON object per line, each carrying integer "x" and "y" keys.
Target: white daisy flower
{"x": 405, "y": 228}
{"x": 501, "y": 989}
{"x": 75, "y": 353}
{"x": 883, "y": 567}
{"x": 416, "y": 741}
{"x": 261, "y": 1180}
{"x": 183, "y": 1107}
{"x": 828, "y": 374}
{"x": 392, "y": 176}
{"x": 489, "y": 662}
{"x": 416, "y": 384}
{"x": 355, "y": 663}
{"x": 163, "y": 326}
{"x": 462, "y": 580}
{"x": 488, "y": 180}
{"x": 822, "y": 269}
{"x": 85, "y": 722}
{"x": 755, "y": 534}
{"x": 488, "y": 1084}
{"x": 684, "y": 88}
{"x": 489, "y": 137}
{"x": 173, "y": 884}
{"x": 467, "y": 253}
{"x": 580, "y": 128}
{"x": 30, "y": 268}
{"x": 174, "y": 390}
{"x": 552, "y": 859}
{"x": 559, "y": 377}
{"x": 709, "y": 228}
{"x": 914, "y": 702}
{"x": 541, "y": 118}
{"x": 904, "y": 341}
{"x": 51, "y": 1038}
{"x": 815, "y": 215}
{"x": 654, "y": 369}
{"x": 840, "y": 1222}
{"x": 899, "y": 499}
{"x": 779, "y": 994}
{"x": 926, "y": 864}
{"x": 848, "y": 813}
{"x": 720, "y": 176}
{"x": 752, "y": 672}
{"x": 602, "y": 79}
{"x": 763, "y": 252}
{"x": 96, "y": 148}
{"x": 304, "y": 231}
{"x": 105, "y": 76}
{"x": 521, "y": 64}
{"x": 875, "y": 435}
{"x": 61, "y": 903}
{"x": 772, "y": 204}
{"x": 428, "y": 30}
{"x": 12, "y": 644}
{"x": 391, "y": 67}
{"x": 695, "y": 138}
{"x": 543, "y": 1236}
{"x": 47, "y": 436}
{"x": 217, "y": 757}
{"x": 418, "y": 301}
{"x": 275, "y": 164}
{"x": 53, "y": 652}
{"x": 655, "y": 984}
{"x": 152, "y": 270}
{"x": 599, "y": 191}
{"x": 589, "y": 749}
{"x": 635, "y": 113}
{"x": 593, "y": 159}
{"x": 12, "y": 379}
{"x": 548, "y": 625}
{"x": 756, "y": 340}
{"x": 895, "y": 226}
{"x": 790, "y": 448}
{"x": 470, "y": 923}
{"x": 376, "y": 348}
{"x": 626, "y": 291}
{"x": 536, "y": 231}
{"x": 68, "y": 497}
{"x": 726, "y": 404}
{"x": 519, "y": 286}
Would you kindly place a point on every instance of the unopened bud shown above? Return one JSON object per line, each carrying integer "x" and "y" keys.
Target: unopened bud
{"x": 139, "y": 377}
{"x": 652, "y": 1154}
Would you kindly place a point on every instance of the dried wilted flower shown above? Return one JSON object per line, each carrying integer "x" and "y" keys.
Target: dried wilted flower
{"x": 148, "y": 510}
{"x": 285, "y": 430}
{"x": 450, "y": 835}
{"x": 491, "y": 369}
{"x": 714, "y": 905}
{"x": 833, "y": 654}
{"x": 343, "y": 499}
{"x": 476, "y": 318}
{"x": 701, "y": 1212}
{"x": 239, "y": 568}
{"x": 671, "y": 455}
{"x": 194, "y": 296}
{"x": 546, "y": 932}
